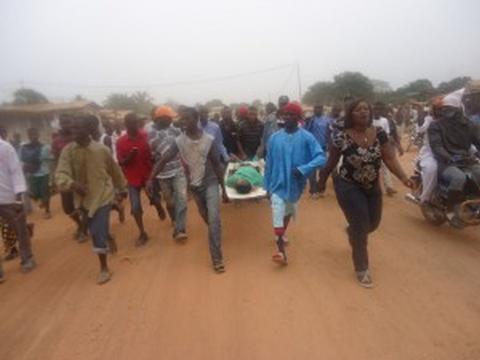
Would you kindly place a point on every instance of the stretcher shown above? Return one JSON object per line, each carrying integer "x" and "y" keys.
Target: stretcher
{"x": 257, "y": 192}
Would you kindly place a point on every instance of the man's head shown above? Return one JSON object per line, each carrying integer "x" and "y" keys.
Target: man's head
{"x": 243, "y": 186}
{"x": 94, "y": 126}
{"x": 81, "y": 128}
{"x": 33, "y": 135}
{"x": 164, "y": 115}
{"x": 292, "y": 113}
{"x": 378, "y": 109}
{"x": 203, "y": 113}
{"x": 65, "y": 123}
{"x": 270, "y": 108}
{"x": 282, "y": 101}
{"x": 242, "y": 112}
{"x": 108, "y": 128}
{"x": 252, "y": 114}
{"x": 132, "y": 123}
{"x": 190, "y": 119}
{"x": 451, "y": 108}
{"x": 226, "y": 113}
{"x": 318, "y": 110}
{"x": 336, "y": 111}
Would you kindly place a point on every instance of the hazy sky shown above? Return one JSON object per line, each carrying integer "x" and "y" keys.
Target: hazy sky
{"x": 95, "y": 47}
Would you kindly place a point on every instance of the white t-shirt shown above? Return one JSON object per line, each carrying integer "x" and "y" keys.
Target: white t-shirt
{"x": 12, "y": 181}
{"x": 382, "y": 122}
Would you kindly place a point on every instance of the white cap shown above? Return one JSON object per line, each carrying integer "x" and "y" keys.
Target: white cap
{"x": 453, "y": 99}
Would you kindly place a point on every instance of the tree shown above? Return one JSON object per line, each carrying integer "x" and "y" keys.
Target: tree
{"x": 26, "y": 96}
{"x": 79, "y": 98}
{"x": 353, "y": 84}
{"x": 214, "y": 103}
{"x": 139, "y": 102}
{"x": 381, "y": 86}
{"x": 454, "y": 84}
{"x": 421, "y": 90}
{"x": 321, "y": 92}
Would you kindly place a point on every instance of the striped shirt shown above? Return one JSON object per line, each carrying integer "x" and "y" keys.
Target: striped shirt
{"x": 160, "y": 141}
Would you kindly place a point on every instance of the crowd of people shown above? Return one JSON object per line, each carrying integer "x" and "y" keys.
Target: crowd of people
{"x": 182, "y": 153}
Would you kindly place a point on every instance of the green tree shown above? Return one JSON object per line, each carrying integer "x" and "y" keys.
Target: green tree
{"x": 421, "y": 90}
{"x": 26, "y": 96}
{"x": 353, "y": 84}
{"x": 214, "y": 103}
{"x": 140, "y": 102}
{"x": 321, "y": 92}
{"x": 454, "y": 84}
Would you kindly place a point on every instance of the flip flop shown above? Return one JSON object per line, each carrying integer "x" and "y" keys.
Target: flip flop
{"x": 280, "y": 258}
{"x": 219, "y": 268}
{"x": 104, "y": 277}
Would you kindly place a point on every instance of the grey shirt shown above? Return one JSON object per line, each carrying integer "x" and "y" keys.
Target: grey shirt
{"x": 195, "y": 155}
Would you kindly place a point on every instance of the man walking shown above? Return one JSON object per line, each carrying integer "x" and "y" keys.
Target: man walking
{"x": 292, "y": 155}
{"x": 87, "y": 168}
{"x": 171, "y": 179}
{"x": 205, "y": 175}
{"x": 319, "y": 126}
{"x": 12, "y": 186}
{"x": 37, "y": 158}
{"x": 134, "y": 156}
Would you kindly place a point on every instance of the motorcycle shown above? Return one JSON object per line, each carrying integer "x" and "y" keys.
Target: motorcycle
{"x": 465, "y": 213}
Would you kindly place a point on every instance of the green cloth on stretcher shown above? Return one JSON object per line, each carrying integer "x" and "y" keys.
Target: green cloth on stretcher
{"x": 248, "y": 173}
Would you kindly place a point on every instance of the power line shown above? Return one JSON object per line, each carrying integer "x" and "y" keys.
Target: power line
{"x": 164, "y": 84}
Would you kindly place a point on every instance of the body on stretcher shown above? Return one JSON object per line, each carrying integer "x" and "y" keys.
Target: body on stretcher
{"x": 257, "y": 192}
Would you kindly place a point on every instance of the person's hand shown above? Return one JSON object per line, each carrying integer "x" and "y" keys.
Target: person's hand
{"x": 225, "y": 198}
{"x": 234, "y": 158}
{"x": 80, "y": 189}
{"x": 297, "y": 173}
{"x": 149, "y": 187}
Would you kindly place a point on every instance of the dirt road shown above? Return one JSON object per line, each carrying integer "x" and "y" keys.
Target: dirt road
{"x": 165, "y": 302}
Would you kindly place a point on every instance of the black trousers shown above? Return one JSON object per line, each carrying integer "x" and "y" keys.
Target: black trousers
{"x": 363, "y": 211}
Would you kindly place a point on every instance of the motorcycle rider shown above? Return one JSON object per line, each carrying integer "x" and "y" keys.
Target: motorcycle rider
{"x": 451, "y": 138}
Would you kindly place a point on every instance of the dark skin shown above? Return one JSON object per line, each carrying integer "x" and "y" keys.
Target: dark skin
{"x": 251, "y": 118}
{"x": 194, "y": 133}
{"x": 33, "y": 137}
{"x": 318, "y": 110}
{"x": 133, "y": 125}
{"x": 364, "y": 135}
{"x": 81, "y": 130}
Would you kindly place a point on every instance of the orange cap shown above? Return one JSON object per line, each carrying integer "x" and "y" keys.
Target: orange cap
{"x": 165, "y": 111}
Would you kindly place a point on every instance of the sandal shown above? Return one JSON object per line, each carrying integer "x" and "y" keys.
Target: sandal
{"x": 280, "y": 258}
{"x": 364, "y": 279}
{"x": 219, "y": 268}
{"x": 104, "y": 277}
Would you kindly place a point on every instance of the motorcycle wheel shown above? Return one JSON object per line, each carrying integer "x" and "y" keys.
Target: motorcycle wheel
{"x": 433, "y": 215}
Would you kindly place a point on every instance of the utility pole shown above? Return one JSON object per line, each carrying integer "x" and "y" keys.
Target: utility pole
{"x": 299, "y": 80}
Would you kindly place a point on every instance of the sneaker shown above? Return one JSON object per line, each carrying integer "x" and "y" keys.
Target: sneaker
{"x": 364, "y": 279}
{"x": 104, "y": 277}
{"x": 219, "y": 268}
{"x": 180, "y": 236}
{"x": 28, "y": 266}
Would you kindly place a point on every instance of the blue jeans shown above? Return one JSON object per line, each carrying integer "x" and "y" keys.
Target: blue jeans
{"x": 99, "y": 229}
{"x": 207, "y": 198}
{"x": 174, "y": 191}
{"x": 134, "y": 194}
{"x": 363, "y": 211}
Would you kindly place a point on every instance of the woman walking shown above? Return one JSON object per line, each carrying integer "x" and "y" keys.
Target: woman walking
{"x": 363, "y": 148}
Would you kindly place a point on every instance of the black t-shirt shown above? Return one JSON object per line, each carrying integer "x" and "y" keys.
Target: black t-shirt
{"x": 360, "y": 165}
{"x": 250, "y": 136}
{"x": 229, "y": 132}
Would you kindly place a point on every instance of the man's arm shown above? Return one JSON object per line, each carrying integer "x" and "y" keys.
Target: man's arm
{"x": 64, "y": 172}
{"x": 15, "y": 170}
{"x": 436, "y": 143}
{"x": 334, "y": 155}
{"x": 218, "y": 169}
{"x": 317, "y": 157}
